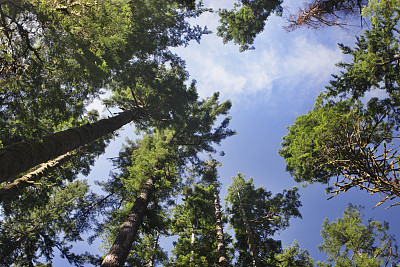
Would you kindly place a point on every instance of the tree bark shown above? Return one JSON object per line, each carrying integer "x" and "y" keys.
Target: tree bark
{"x": 20, "y": 157}
{"x": 191, "y": 259}
{"x": 128, "y": 231}
{"x": 16, "y": 188}
{"x": 154, "y": 248}
{"x": 250, "y": 240}
{"x": 222, "y": 259}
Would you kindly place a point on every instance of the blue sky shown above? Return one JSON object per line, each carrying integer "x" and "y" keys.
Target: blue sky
{"x": 269, "y": 87}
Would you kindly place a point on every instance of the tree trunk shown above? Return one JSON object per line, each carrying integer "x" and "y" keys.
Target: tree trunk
{"x": 154, "y": 248}
{"x": 128, "y": 231}
{"x": 222, "y": 259}
{"x": 250, "y": 240}
{"x": 191, "y": 259}
{"x": 20, "y": 157}
{"x": 17, "y": 187}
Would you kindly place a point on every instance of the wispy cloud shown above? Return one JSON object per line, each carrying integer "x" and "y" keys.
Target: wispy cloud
{"x": 282, "y": 62}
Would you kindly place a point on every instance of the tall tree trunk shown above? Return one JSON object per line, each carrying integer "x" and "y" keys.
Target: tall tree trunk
{"x": 128, "y": 231}
{"x": 250, "y": 240}
{"x": 154, "y": 248}
{"x": 20, "y": 157}
{"x": 191, "y": 259}
{"x": 222, "y": 260}
{"x": 17, "y": 187}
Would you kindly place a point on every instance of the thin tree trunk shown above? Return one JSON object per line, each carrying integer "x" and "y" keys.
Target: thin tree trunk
{"x": 22, "y": 156}
{"x": 222, "y": 259}
{"x": 191, "y": 259}
{"x": 17, "y": 187}
{"x": 154, "y": 248}
{"x": 250, "y": 240}
{"x": 128, "y": 231}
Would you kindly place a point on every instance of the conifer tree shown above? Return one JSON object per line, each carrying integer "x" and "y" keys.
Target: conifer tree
{"x": 45, "y": 222}
{"x": 343, "y": 138}
{"x": 255, "y": 217}
{"x": 57, "y": 56}
{"x": 157, "y": 160}
{"x": 198, "y": 221}
{"x": 157, "y": 99}
{"x": 194, "y": 222}
{"x": 350, "y": 242}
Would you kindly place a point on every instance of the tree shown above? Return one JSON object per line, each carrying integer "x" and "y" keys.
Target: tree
{"x": 55, "y": 57}
{"x": 246, "y": 20}
{"x": 255, "y": 217}
{"x": 162, "y": 96}
{"x": 345, "y": 138}
{"x": 73, "y": 163}
{"x": 320, "y": 13}
{"x": 157, "y": 161}
{"x": 294, "y": 256}
{"x": 199, "y": 223}
{"x": 343, "y": 141}
{"x": 44, "y": 220}
{"x": 194, "y": 222}
{"x": 349, "y": 242}
{"x": 210, "y": 177}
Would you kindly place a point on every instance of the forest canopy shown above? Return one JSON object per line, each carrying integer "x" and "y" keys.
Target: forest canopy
{"x": 167, "y": 181}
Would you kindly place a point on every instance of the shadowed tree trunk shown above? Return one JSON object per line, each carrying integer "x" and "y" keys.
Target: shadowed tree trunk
{"x": 128, "y": 231}
{"x": 20, "y": 157}
{"x": 16, "y": 188}
{"x": 222, "y": 260}
{"x": 250, "y": 241}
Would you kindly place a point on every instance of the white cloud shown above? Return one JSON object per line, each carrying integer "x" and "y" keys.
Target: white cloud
{"x": 282, "y": 62}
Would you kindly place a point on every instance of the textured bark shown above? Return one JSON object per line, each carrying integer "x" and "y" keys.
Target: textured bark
{"x": 222, "y": 259}
{"x": 22, "y": 156}
{"x": 17, "y": 187}
{"x": 250, "y": 240}
{"x": 128, "y": 231}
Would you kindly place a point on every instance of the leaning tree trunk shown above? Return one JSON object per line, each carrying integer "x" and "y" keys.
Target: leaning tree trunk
{"x": 222, "y": 259}
{"x": 250, "y": 240}
{"x": 128, "y": 231}
{"x": 17, "y": 187}
{"x": 20, "y": 157}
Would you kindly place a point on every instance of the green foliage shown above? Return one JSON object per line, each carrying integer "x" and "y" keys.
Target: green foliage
{"x": 306, "y": 139}
{"x": 43, "y": 220}
{"x": 375, "y": 57}
{"x": 56, "y": 56}
{"x": 195, "y": 214}
{"x": 294, "y": 256}
{"x": 342, "y": 137}
{"x": 246, "y": 20}
{"x": 266, "y": 215}
{"x": 349, "y": 242}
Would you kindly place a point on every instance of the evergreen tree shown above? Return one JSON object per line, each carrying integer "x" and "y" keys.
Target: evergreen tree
{"x": 55, "y": 57}
{"x": 199, "y": 223}
{"x": 72, "y": 164}
{"x": 246, "y": 20}
{"x": 343, "y": 138}
{"x": 46, "y": 220}
{"x": 294, "y": 256}
{"x": 350, "y": 242}
{"x": 256, "y": 216}
{"x": 194, "y": 222}
{"x": 156, "y": 160}
{"x": 158, "y": 99}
